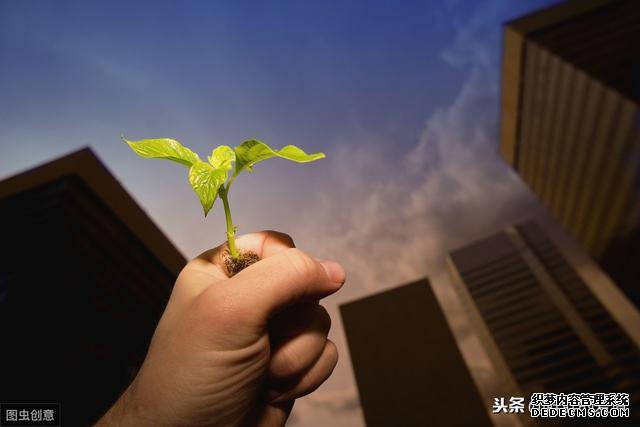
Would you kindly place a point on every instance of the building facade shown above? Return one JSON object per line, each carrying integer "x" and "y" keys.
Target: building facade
{"x": 84, "y": 277}
{"x": 407, "y": 365}
{"x": 570, "y": 123}
{"x": 541, "y": 323}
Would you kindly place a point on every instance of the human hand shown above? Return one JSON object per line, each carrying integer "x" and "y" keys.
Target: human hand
{"x": 236, "y": 351}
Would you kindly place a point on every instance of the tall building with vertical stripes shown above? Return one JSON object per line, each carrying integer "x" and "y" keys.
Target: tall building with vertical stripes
{"x": 541, "y": 323}
{"x": 570, "y": 123}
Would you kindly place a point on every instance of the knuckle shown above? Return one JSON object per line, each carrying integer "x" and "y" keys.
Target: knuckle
{"x": 281, "y": 237}
{"x": 303, "y": 264}
{"x": 190, "y": 266}
{"x": 290, "y": 363}
{"x": 332, "y": 352}
{"x": 324, "y": 319}
{"x": 189, "y": 280}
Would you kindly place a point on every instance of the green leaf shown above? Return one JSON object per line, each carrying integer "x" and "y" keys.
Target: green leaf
{"x": 222, "y": 157}
{"x": 164, "y": 148}
{"x": 253, "y": 151}
{"x": 206, "y": 180}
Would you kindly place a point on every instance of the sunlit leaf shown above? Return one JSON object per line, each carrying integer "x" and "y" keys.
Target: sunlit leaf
{"x": 222, "y": 157}
{"x": 253, "y": 151}
{"x": 206, "y": 180}
{"x": 164, "y": 148}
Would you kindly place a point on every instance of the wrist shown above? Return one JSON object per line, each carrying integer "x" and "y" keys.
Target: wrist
{"x": 125, "y": 412}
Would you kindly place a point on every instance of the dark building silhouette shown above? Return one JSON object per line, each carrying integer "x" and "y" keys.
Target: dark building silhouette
{"x": 407, "y": 365}
{"x": 541, "y": 323}
{"x": 571, "y": 123}
{"x": 84, "y": 277}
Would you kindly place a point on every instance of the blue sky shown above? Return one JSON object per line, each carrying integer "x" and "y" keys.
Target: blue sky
{"x": 215, "y": 72}
{"x": 328, "y": 76}
{"x": 402, "y": 97}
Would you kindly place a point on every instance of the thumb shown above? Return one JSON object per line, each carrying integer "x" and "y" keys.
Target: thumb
{"x": 288, "y": 277}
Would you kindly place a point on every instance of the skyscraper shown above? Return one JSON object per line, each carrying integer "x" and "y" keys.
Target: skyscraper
{"x": 570, "y": 123}
{"x": 407, "y": 365}
{"x": 541, "y": 322}
{"x": 84, "y": 277}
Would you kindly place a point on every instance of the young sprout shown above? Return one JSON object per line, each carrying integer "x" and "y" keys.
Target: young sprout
{"x": 212, "y": 179}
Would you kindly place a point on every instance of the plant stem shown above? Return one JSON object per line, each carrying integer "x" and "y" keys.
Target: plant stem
{"x": 231, "y": 231}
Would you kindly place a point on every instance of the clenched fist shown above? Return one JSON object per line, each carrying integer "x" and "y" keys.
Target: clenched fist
{"x": 236, "y": 351}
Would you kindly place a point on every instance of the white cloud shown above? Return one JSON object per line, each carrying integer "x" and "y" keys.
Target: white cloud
{"x": 396, "y": 221}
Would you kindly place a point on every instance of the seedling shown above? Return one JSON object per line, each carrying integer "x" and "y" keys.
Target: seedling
{"x": 211, "y": 180}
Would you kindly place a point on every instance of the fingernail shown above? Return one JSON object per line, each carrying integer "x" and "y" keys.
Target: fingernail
{"x": 335, "y": 271}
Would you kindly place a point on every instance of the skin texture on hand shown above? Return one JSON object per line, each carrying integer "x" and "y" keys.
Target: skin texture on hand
{"x": 236, "y": 351}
